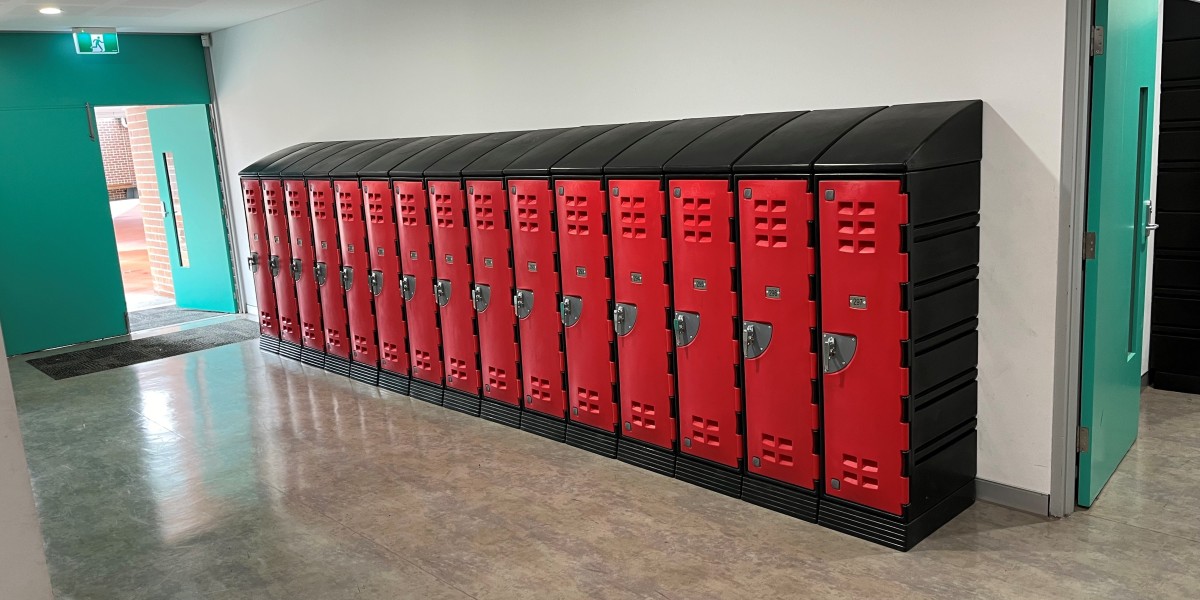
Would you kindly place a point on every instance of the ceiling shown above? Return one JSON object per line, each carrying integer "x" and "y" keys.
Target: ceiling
{"x": 151, "y": 16}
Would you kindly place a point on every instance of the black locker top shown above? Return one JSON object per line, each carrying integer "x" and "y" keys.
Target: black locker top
{"x": 452, "y": 165}
{"x": 715, "y": 152}
{"x": 794, "y": 147}
{"x": 414, "y": 166}
{"x": 348, "y": 169}
{"x": 314, "y": 167}
{"x": 537, "y": 162}
{"x": 909, "y": 137}
{"x": 273, "y": 169}
{"x": 590, "y": 158}
{"x": 650, "y": 154}
{"x": 492, "y": 164}
{"x": 382, "y": 165}
{"x": 256, "y": 167}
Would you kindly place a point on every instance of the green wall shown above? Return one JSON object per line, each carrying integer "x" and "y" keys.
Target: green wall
{"x": 60, "y": 280}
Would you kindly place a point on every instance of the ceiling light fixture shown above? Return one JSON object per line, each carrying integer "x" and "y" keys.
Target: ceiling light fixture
{"x": 50, "y": 10}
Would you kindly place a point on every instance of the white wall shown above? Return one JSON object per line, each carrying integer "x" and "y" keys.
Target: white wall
{"x": 378, "y": 68}
{"x": 23, "y": 571}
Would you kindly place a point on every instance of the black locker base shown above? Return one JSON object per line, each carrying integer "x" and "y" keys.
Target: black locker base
{"x": 425, "y": 391}
{"x": 337, "y": 365}
{"x": 394, "y": 382}
{"x": 709, "y": 475}
{"x": 270, "y": 344}
{"x": 543, "y": 425}
{"x": 312, "y": 357}
{"x": 646, "y": 456}
{"x": 461, "y": 401}
{"x": 890, "y": 530}
{"x": 368, "y": 374}
{"x": 592, "y": 439}
{"x": 500, "y": 412}
{"x": 1173, "y": 382}
{"x": 289, "y": 350}
{"x": 780, "y": 497}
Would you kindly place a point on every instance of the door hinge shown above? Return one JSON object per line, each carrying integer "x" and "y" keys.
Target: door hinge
{"x": 1089, "y": 245}
{"x": 1097, "y": 40}
{"x": 1082, "y": 440}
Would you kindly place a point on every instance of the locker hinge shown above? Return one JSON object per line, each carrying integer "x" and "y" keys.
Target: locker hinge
{"x": 1089, "y": 245}
{"x": 1097, "y": 40}
{"x": 1082, "y": 440}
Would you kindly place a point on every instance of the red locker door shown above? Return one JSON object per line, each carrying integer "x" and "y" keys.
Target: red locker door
{"x": 452, "y": 263}
{"x": 643, "y": 304}
{"x": 535, "y": 256}
{"x": 587, "y": 293}
{"x": 327, "y": 268}
{"x": 706, "y": 332}
{"x": 862, "y": 267}
{"x": 492, "y": 262}
{"x": 416, "y": 266}
{"x": 356, "y": 271}
{"x": 300, "y": 225}
{"x": 260, "y": 256}
{"x": 280, "y": 261}
{"x": 779, "y": 316}
{"x": 385, "y": 269}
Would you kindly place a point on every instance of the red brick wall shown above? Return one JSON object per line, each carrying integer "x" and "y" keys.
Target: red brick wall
{"x": 152, "y": 212}
{"x": 118, "y": 159}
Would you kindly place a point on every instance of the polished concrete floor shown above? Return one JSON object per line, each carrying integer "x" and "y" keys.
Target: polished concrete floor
{"x": 232, "y": 474}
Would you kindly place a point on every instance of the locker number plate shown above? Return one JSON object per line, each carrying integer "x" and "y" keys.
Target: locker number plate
{"x": 772, "y": 292}
{"x": 858, "y": 302}
{"x": 700, "y": 284}
{"x": 635, "y": 277}
{"x": 487, "y": 262}
{"x": 580, "y": 272}
{"x": 532, "y": 266}
{"x": 449, "y": 259}
{"x": 412, "y": 255}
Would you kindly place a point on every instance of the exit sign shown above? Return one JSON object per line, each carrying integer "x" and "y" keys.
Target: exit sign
{"x": 95, "y": 41}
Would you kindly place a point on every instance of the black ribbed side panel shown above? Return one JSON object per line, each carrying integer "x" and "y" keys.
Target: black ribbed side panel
{"x": 646, "y": 456}
{"x": 426, "y": 392}
{"x": 270, "y": 344}
{"x": 461, "y": 402}
{"x": 547, "y": 427}
{"x": 709, "y": 476}
{"x": 889, "y": 530}
{"x": 780, "y": 497}
{"x": 337, "y": 365}
{"x": 592, "y": 440}
{"x": 312, "y": 357}
{"x": 393, "y": 382}
{"x": 368, "y": 374}
{"x": 499, "y": 412}
{"x": 289, "y": 350}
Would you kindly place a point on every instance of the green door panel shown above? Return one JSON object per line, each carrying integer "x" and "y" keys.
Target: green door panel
{"x": 193, "y": 215}
{"x": 1119, "y": 164}
{"x": 60, "y": 273}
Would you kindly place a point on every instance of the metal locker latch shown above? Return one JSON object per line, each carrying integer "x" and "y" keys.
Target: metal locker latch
{"x": 297, "y": 269}
{"x": 624, "y": 318}
{"x": 408, "y": 286}
{"x": 273, "y": 265}
{"x": 755, "y": 338}
{"x": 481, "y": 296}
{"x": 252, "y": 262}
{"x": 570, "y": 309}
{"x": 523, "y": 303}
{"x": 837, "y": 350}
{"x": 347, "y": 278}
{"x": 375, "y": 280}
{"x": 320, "y": 272}
{"x": 687, "y": 325}
{"x": 441, "y": 291}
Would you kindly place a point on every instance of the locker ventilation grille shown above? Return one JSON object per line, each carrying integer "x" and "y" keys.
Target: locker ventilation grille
{"x": 457, "y": 369}
{"x": 587, "y": 400}
{"x": 861, "y": 472}
{"x": 333, "y": 338}
{"x": 422, "y": 362}
{"x": 361, "y": 345}
{"x": 632, "y": 215}
{"x": 408, "y": 209}
{"x": 375, "y": 210}
{"x": 853, "y": 228}
{"x": 319, "y": 206}
{"x": 485, "y": 214}
{"x": 774, "y": 449}
{"x": 704, "y": 431}
{"x": 497, "y": 378}
{"x": 697, "y": 223}
{"x": 443, "y": 210}
{"x": 391, "y": 354}
{"x": 642, "y": 415}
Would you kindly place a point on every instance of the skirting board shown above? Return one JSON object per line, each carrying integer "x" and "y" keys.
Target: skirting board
{"x": 1012, "y": 497}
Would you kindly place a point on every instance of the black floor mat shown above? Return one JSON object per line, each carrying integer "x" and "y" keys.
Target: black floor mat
{"x": 132, "y": 352}
{"x": 161, "y": 316}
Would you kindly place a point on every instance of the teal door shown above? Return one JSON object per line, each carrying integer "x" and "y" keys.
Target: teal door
{"x": 1122, "y": 123}
{"x": 60, "y": 280}
{"x": 193, "y": 215}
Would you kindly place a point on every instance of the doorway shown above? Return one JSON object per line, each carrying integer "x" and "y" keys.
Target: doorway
{"x": 157, "y": 208}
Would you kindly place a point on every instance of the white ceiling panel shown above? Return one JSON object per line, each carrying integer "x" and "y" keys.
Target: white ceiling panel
{"x": 150, "y": 16}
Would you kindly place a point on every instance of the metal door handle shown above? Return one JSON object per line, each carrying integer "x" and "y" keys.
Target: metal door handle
{"x": 1152, "y": 227}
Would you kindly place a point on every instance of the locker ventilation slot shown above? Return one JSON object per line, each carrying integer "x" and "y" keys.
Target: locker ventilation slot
{"x": 391, "y": 353}
{"x": 770, "y": 231}
{"x": 642, "y": 415}
{"x": 697, "y": 224}
{"x": 497, "y": 378}
{"x": 704, "y": 431}
{"x": 456, "y": 369}
{"x": 587, "y": 400}
{"x": 632, "y": 214}
{"x": 422, "y": 362}
{"x": 862, "y": 472}
{"x": 774, "y": 448}
{"x": 485, "y": 214}
{"x": 407, "y": 205}
{"x": 443, "y": 211}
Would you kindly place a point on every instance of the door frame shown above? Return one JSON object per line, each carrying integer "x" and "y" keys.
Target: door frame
{"x": 228, "y": 198}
